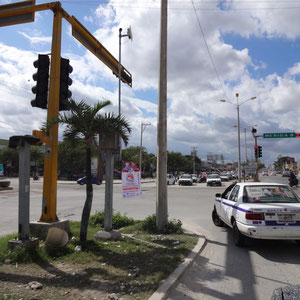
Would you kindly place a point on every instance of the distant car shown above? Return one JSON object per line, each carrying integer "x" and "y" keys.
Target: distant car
{"x": 185, "y": 179}
{"x": 203, "y": 177}
{"x": 258, "y": 210}
{"x": 194, "y": 178}
{"x": 285, "y": 174}
{"x": 170, "y": 179}
{"x": 213, "y": 179}
{"x": 224, "y": 177}
{"x": 265, "y": 173}
{"x": 82, "y": 180}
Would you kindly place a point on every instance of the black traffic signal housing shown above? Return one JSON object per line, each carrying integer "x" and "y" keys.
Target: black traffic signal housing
{"x": 259, "y": 151}
{"x": 256, "y": 151}
{"x": 65, "y": 82}
{"x": 42, "y": 81}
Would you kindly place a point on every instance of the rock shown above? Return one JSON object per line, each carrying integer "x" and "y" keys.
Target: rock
{"x": 77, "y": 248}
{"x": 34, "y": 285}
{"x": 116, "y": 235}
{"x": 122, "y": 288}
{"x": 176, "y": 243}
{"x": 7, "y": 261}
{"x": 102, "y": 235}
{"x": 113, "y": 296}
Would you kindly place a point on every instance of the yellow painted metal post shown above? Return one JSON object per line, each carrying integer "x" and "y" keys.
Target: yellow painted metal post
{"x": 50, "y": 162}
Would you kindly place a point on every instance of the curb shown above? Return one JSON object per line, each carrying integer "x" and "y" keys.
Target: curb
{"x": 162, "y": 292}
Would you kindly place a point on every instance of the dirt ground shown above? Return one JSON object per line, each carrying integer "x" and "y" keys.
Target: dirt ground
{"x": 63, "y": 281}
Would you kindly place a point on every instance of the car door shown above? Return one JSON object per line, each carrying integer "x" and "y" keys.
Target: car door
{"x": 229, "y": 204}
{"x": 222, "y": 204}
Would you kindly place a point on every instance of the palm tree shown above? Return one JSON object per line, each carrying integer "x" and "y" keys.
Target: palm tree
{"x": 83, "y": 120}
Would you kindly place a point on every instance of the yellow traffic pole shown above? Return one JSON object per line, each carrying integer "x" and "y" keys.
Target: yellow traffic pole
{"x": 50, "y": 161}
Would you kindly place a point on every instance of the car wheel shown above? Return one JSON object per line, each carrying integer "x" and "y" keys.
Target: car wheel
{"x": 216, "y": 219}
{"x": 238, "y": 238}
{"x": 81, "y": 183}
{"x": 173, "y": 182}
{"x": 167, "y": 182}
{"x": 98, "y": 183}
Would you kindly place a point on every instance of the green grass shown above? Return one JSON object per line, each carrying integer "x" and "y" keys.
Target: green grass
{"x": 155, "y": 256}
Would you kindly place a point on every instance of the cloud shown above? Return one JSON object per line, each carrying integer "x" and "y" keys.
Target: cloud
{"x": 36, "y": 40}
{"x": 195, "y": 116}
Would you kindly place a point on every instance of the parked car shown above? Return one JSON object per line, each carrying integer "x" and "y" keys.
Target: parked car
{"x": 265, "y": 173}
{"x": 170, "y": 179}
{"x": 194, "y": 178}
{"x": 185, "y": 179}
{"x": 258, "y": 210}
{"x": 203, "y": 177}
{"x": 213, "y": 179}
{"x": 285, "y": 174}
{"x": 224, "y": 177}
{"x": 82, "y": 180}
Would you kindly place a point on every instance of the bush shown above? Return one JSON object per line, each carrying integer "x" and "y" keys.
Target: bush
{"x": 172, "y": 226}
{"x": 118, "y": 221}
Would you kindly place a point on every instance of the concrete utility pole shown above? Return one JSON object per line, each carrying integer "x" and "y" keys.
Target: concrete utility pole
{"x": 194, "y": 152}
{"x": 161, "y": 187}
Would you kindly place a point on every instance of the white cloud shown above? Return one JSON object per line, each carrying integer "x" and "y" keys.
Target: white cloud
{"x": 196, "y": 117}
{"x": 36, "y": 40}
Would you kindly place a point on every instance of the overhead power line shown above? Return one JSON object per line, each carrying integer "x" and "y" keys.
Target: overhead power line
{"x": 210, "y": 56}
{"x": 224, "y": 7}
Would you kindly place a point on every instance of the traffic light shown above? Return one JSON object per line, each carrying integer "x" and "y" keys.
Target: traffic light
{"x": 42, "y": 82}
{"x": 256, "y": 151}
{"x": 65, "y": 82}
{"x": 259, "y": 151}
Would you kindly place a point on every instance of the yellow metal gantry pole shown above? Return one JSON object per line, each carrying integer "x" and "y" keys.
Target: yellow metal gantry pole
{"x": 50, "y": 162}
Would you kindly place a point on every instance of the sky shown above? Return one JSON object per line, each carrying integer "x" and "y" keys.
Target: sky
{"x": 216, "y": 50}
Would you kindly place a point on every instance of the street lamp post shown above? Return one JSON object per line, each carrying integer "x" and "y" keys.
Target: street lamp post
{"x": 237, "y": 105}
{"x": 246, "y": 159}
{"x": 143, "y": 126}
{"x": 129, "y": 34}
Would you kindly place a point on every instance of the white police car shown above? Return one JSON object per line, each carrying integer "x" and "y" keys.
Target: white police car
{"x": 258, "y": 210}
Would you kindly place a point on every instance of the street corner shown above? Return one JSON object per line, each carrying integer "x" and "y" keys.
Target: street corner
{"x": 163, "y": 290}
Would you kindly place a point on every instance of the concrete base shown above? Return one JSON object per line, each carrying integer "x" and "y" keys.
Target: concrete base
{"x": 28, "y": 243}
{"x": 40, "y": 229}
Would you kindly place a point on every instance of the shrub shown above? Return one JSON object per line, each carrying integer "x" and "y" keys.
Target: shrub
{"x": 172, "y": 226}
{"x": 118, "y": 221}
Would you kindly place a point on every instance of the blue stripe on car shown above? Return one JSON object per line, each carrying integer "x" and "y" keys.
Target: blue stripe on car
{"x": 235, "y": 207}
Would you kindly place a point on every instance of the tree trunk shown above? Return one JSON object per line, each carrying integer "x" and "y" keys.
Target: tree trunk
{"x": 89, "y": 195}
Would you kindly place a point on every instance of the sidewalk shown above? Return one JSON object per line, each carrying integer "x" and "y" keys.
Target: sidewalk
{"x": 162, "y": 292}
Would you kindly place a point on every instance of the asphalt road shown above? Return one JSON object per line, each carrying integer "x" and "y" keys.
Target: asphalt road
{"x": 221, "y": 271}
{"x": 224, "y": 271}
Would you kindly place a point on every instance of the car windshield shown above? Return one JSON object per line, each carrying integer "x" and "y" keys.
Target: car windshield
{"x": 214, "y": 176}
{"x": 269, "y": 194}
{"x": 186, "y": 176}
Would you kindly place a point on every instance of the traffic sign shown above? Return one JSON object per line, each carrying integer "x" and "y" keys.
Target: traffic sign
{"x": 10, "y": 18}
{"x": 281, "y": 135}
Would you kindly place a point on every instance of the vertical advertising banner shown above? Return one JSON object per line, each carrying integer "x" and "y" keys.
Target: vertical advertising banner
{"x": 131, "y": 180}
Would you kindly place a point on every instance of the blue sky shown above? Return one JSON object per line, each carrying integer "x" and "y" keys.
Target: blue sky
{"x": 214, "y": 51}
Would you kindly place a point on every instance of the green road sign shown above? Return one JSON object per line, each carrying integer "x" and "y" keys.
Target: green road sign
{"x": 281, "y": 135}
